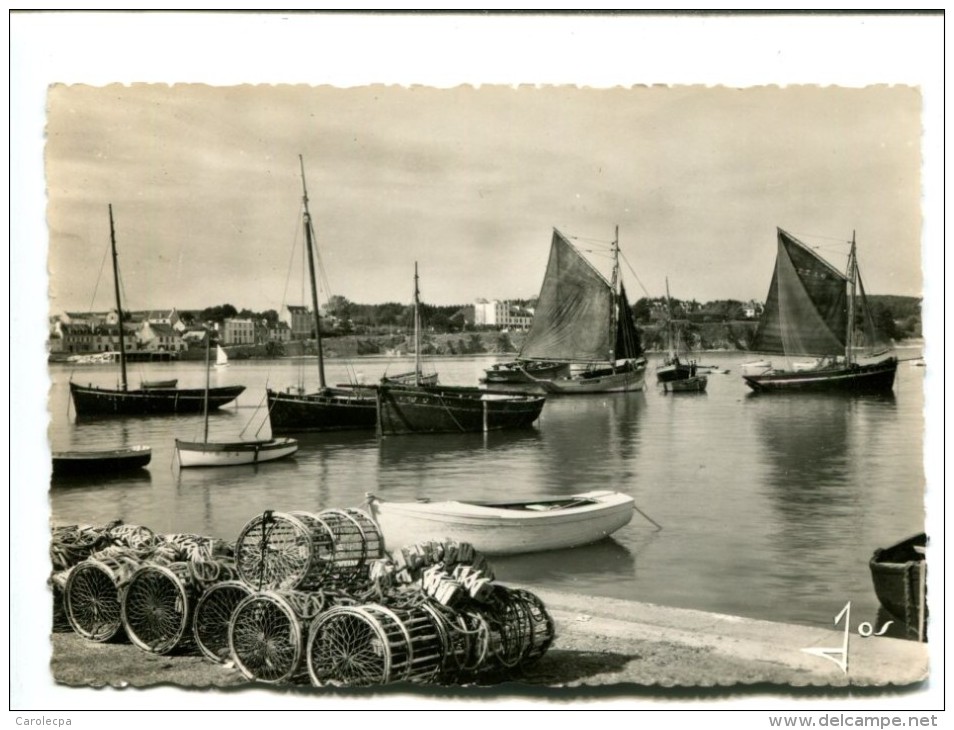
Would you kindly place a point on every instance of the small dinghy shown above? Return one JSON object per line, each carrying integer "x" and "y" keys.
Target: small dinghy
{"x": 899, "y": 576}
{"x": 105, "y": 461}
{"x": 505, "y": 528}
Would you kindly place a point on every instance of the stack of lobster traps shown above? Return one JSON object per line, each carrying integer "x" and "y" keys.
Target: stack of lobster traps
{"x": 300, "y": 598}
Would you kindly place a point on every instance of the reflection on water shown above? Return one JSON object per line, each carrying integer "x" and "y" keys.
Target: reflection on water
{"x": 576, "y": 569}
{"x": 770, "y": 506}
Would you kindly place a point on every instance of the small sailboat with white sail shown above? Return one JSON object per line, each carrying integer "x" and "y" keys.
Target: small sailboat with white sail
{"x": 221, "y": 357}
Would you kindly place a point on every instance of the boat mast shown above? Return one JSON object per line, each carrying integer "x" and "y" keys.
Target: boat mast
{"x": 311, "y": 271}
{"x": 205, "y": 398}
{"x": 119, "y": 306}
{"x": 417, "y": 329}
{"x": 614, "y": 310}
{"x": 672, "y": 346}
{"x": 852, "y": 280}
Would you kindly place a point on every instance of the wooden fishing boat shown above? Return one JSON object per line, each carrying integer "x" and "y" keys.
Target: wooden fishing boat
{"x": 89, "y": 400}
{"x": 672, "y": 368}
{"x": 899, "y": 576}
{"x": 229, "y": 453}
{"x": 505, "y": 528}
{"x": 104, "y": 461}
{"x": 814, "y": 310}
{"x": 452, "y": 409}
{"x": 414, "y": 406}
{"x": 692, "y": 384}
{"x": 328, "y": 408}
{"x": 584, "y": 319}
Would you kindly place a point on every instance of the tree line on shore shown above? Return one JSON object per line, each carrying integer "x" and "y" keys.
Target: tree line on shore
{"x": 897, "y": 317}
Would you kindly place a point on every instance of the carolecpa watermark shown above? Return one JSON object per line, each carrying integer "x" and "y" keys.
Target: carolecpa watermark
{"x": 43, "y": 721}
{"x": 855, "y": 721}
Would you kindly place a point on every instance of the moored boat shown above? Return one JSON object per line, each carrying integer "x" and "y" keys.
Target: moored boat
{"x": 233, "y": 453}
{"x": 505, "y": 528}
{"x": 583, "y": 319}
{"x": 899, "y": 576}
{"x": 692, "y": 384}
{"x": 814, "y": 310}
{"x": 524, "y": 371}
{"x": 229, "y": 453}
{"x": 90, "y": 400}
{"x": 326, "y": 409}
{"x": 452, "y": 409}
{"x": 102, "y": 461}
{"x": 412, "y": 405}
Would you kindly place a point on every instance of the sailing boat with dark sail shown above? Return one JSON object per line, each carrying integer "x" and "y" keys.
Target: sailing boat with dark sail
{"x": 155, "y": 398}
{"x": 584, "y": 319}
{"x": 814, "y": 310}
{"x": 327, "y": 409}
{"x": 415, "y": 405}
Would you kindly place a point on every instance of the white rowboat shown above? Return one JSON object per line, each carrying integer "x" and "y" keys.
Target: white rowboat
{"x": 505, "y": 528}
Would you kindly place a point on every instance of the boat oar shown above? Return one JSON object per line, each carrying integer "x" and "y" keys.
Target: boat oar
{"x": 658, "y": 526}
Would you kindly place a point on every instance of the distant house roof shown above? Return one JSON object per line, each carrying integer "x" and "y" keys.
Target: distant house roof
{"x": 163, "y": 330}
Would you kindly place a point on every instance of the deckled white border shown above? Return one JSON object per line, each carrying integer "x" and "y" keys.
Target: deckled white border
{"x": 435, "y": 50}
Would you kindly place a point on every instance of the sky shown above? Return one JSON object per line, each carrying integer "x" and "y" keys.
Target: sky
{"x": 206, "y": 189}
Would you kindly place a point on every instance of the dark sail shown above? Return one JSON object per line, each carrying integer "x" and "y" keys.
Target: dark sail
{"x": 806, "y": 309}
{"x": 571, "y": 322}
{"x": 627, "y": 336}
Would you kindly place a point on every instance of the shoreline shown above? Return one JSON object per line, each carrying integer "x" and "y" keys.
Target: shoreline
{"x": 623, "y": 646}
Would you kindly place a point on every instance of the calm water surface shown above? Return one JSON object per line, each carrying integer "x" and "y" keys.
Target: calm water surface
{"x": 770, "y": 506}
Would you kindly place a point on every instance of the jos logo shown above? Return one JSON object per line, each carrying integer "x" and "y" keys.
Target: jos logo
{"x": 839, "y": 654}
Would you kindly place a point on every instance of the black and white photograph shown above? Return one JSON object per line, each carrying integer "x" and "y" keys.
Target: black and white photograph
{"x": 474, "y": 361}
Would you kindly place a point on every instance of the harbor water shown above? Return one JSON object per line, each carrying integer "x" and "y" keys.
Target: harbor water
{"x": 769, "y": 506}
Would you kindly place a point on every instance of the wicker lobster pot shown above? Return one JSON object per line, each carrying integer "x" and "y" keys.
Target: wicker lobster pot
{"x": 467, "y": 641}
{"x": 285, "y": 550}
{"x": 213, "y": 613}
{"x": 157, "y": 607}
{"x": 521, "y": 629}
{"x": 265, "y": 634}
{"x": 357, "y": 541}
{"x": 57, "y": 583}
{"x": 371, "y": 644}
{"x": 92, "y": 596}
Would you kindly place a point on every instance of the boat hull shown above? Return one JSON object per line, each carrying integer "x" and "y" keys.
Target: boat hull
{"x": 673, "y": 371}
{"x": 449, "y": 409}
{"x": 92, "y": 401}
{"x": 899, "y": 577}
{"x": 238, "y": 453}
{"x": 495, "y": 531}
{"x": 519, "y": 372}
{"x": 78, "y": 463}
{"x": 335, "y": 409}
{"x": 631, "y": 377}
{"x": 695, "y": 384}
{"x": 875, "y": 378}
